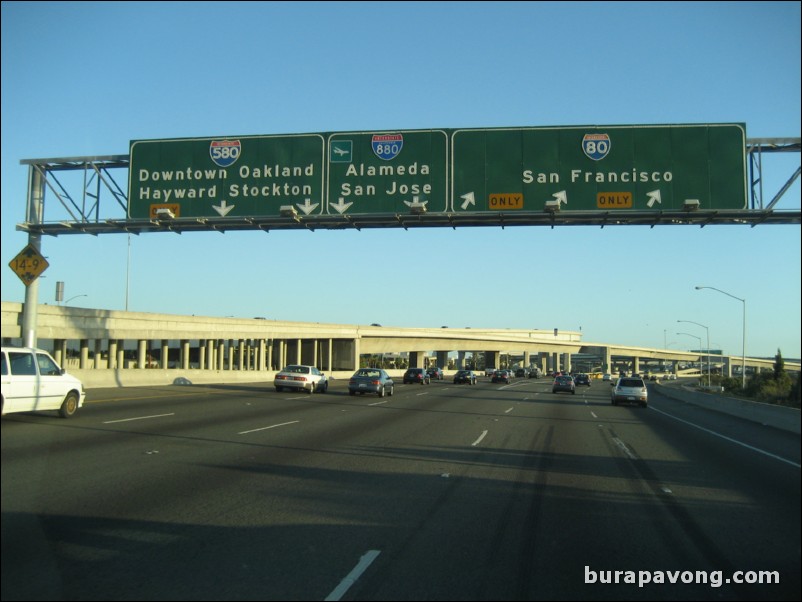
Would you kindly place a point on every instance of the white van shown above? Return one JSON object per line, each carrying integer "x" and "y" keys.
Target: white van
{"x": 32, "y": 381}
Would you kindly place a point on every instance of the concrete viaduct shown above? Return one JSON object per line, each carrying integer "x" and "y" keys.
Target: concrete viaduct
{"x": 108, "y": 347}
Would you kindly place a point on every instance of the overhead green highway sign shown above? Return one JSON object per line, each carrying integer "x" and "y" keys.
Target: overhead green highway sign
{"x": 226, "y": 177}
{"x": 658, "y": 168}
{"x": 651, "y": 168}
{"x": 388, "y": 172}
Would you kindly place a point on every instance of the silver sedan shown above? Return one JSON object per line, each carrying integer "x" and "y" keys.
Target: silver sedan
{"x": 371, "y": 380}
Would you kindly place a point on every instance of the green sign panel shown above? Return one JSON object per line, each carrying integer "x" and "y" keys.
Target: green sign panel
{"x": 592, "y": 168}
{"x": 600, "y": 168}
{"x": 388, "y": 172}
{"x": 226, "y": 177}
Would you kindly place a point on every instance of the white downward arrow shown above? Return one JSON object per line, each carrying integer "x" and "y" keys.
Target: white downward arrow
{"x": 415, "y": 202}
{"x": 223, "y": 208}
{"x": 341, "y": 205}
{"x": 307, "y": 207}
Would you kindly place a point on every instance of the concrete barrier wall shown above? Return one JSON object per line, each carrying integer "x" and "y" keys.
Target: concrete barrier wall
{"x": 101, "y": 379}
{"x": 781, "y": 417}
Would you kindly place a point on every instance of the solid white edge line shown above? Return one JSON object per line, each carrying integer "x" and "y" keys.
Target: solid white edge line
{"x": 264, "y": 428}
{"x": 140, "y": 418}
{"x": 363, "y": 564}
{"x": 730, "y": 439}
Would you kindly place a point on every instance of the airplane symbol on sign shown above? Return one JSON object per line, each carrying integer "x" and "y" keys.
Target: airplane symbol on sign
{"x": 340, "y": 151}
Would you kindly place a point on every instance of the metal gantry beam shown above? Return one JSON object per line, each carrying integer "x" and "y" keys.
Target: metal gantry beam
{"x": 86, "y": 214}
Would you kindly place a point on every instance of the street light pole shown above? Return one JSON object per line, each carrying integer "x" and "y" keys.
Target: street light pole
{"x": 75, "y": 297}
{"x": 743, "y": 332}
{"x": 707, "y": 330}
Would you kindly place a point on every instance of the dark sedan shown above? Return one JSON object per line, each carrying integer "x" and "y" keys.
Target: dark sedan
{"x": 582, "y": 379}
{"x": 502, "y": 376}
{"x": 564, "y": 383}
{"x": 465, "y": 376}
{"x": 417, "y": 375}
{"x": 371, "y": 380}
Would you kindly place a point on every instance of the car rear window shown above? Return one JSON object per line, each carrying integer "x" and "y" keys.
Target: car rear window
{"x": 632, "y": 382}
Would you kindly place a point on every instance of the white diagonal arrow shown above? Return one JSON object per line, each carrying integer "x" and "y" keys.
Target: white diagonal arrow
{"x": 562, "y": 197}
{"x": 654, "y": 197}
{"x": 223, "y": 208}
{"x": 470, "y": 199}
{"x": 341, "y": 205}
{"x": 307, "y": 207}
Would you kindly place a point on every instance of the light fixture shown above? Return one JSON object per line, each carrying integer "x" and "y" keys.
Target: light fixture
{"x": 417, "y": 208}
{"x": 691, "y": 204}
{"x": 165, "y": 213}
{"x": 552, "y": 206}
{"x": 288, "y": 211}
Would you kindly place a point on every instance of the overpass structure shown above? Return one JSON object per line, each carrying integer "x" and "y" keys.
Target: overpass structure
{"x": 133, "y": 347}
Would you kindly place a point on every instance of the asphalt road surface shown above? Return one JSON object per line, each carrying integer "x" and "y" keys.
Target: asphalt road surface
{"x": 440, "y": 492}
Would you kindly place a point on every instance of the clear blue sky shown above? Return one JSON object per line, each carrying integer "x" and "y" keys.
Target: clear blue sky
{"x": 84, "y": 79}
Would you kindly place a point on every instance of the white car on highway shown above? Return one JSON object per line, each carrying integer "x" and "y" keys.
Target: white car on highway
{"x": 33, "y": 381}
{"x": 305, "y": 378}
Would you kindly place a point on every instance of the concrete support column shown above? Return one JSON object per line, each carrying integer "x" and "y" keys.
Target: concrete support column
{"x": 442, "y": 359}
{"x": 240, "y": 354}
{"x": 221, "y": 354}
{"x": 298, "y": 344}
{"x": 281, "y": 350}
{"x": 59, "y": 352}
{"x": 416, "y": 359}
{"x": 202, "y": 354}
{"x": 98, "y": 363}
{"x": 184, "y": 354}
{"x": 121, "y": 355}
{"x": 527, "y": 360}
{"x": 608, "y": 361}
{"x": 567, "y": 362}
{"x": 209, "y": 365}
{"x": 330, "y": 355}
{"x": 492, "y": 359}
{"x": 636, "y": 365}
{"x": 84, "y": 356}
{"x": 112, "y": 354}
{"x": 260, "y": 365}
{"x": 142, "y": 354}
{"x": 355, "y": 347}
{"x": 165, "y": 363}
{"x": 270, "y": 354}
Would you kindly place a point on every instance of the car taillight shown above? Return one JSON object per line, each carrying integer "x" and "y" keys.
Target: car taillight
{"x": 301, "y": 378}
{"x": 375, "y": 382}
{"x": 352, "y": 381}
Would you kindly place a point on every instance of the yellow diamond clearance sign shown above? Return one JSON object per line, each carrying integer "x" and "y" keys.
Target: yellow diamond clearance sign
{"x": 29, "y": 264}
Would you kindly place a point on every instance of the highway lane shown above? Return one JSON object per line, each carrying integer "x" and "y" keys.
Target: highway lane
{"x": 449, "y": 492}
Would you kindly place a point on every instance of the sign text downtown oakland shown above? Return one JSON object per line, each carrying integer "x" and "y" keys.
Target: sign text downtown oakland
{"x": 180, "y": 190}
{"x": 182, "y": 181}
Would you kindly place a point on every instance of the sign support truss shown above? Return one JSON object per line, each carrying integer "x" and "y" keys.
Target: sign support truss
{"x": 84, "y": 213}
